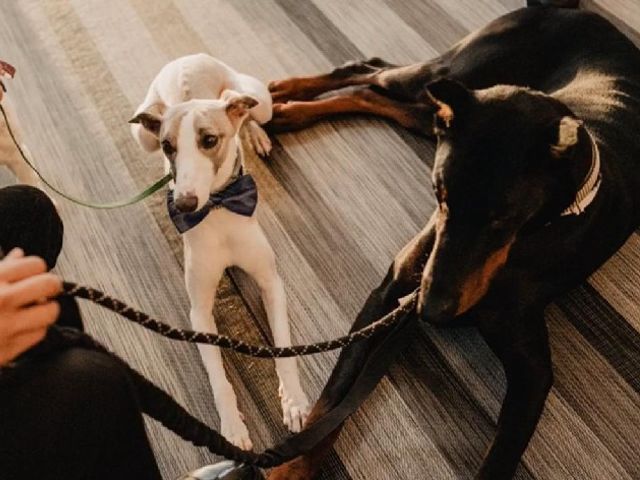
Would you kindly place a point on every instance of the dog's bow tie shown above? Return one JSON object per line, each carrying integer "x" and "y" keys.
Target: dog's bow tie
{"x": 240, "y": 196}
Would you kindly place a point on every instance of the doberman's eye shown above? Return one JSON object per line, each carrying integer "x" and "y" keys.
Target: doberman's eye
{"x": 167, "y": 148}
{"x": 209, "y": 141}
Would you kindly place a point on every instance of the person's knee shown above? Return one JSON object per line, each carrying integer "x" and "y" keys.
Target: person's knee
{"x": 95, "y": 378}
{"x": 30, "y": 221}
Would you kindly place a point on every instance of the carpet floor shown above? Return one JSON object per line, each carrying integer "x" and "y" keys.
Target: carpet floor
{"x": 337, "y": 201}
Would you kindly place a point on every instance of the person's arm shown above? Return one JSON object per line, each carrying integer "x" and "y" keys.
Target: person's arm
{"x": 26, "y": 310}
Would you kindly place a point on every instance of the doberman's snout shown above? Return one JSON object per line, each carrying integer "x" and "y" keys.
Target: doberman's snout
{"x": 436, "y": 308}
{"x": 187, "y": 202}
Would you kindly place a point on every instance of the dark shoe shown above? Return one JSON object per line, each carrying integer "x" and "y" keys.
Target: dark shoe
{"x": 227, "y": 470}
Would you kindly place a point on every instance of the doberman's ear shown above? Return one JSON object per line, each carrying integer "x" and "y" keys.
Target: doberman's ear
{"x": 151, "y": 120}
{"x": 450, "y": 97}
{"x": 564, "y": 134}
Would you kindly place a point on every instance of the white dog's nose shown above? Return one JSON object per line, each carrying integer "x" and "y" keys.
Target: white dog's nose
{"x": 186, "y": 202}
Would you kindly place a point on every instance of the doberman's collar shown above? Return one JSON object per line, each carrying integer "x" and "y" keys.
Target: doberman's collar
{"x": 589, "y": 189}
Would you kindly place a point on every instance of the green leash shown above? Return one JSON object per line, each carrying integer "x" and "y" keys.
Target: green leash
{"x": 150, "y": 190}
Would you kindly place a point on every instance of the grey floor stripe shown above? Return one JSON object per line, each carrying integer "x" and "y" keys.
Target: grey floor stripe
{"x": 606, "y": 330}
{"x": 431, "y": 22}
{"x": 320, "y": 30}
{"x": 460, "y": 426}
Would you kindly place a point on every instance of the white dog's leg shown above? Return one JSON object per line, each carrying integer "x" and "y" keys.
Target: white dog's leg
{"x": 295, "y": 405}
{"x": 19, "y": 167}
{"x": 259, "y": 139}
{"x": 202, "y": 280}
{"x": 261, "y": 266}
{"x": 9, "y": 154}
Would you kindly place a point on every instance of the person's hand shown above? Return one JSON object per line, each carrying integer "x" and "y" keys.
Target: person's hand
{"x": 6, "y": 70}
{"x": 25, "y": 309}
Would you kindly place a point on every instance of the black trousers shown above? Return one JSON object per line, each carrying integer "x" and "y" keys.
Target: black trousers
{"x": 72, "y": 415}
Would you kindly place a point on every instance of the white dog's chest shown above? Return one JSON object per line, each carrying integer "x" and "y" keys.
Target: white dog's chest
{"x": 224, "y": 237}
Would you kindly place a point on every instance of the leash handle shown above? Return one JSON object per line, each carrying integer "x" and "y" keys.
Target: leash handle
{"x": 260, "y": 351}
{"x": 150, "y": 190}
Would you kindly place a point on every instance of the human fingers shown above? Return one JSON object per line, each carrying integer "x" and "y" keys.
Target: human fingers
{"x": 12, "y": 270}
{"x": 30, "y": 290}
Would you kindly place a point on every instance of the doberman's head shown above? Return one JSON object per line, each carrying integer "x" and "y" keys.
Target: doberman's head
{"x": 507, "y": 159}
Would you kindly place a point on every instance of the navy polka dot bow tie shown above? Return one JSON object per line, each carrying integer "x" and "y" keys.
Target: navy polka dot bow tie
{"x": 240, "y": 196}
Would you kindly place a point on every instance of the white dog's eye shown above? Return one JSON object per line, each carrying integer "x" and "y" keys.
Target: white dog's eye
{"x": 167, "y": 148}
{"x": 209, "y": 141}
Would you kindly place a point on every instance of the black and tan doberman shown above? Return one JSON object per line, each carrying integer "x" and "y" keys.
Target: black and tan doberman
{"x": 537, "y": 177}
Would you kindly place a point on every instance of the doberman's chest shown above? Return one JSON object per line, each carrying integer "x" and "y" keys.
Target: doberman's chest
{"x": 548, "y": 262}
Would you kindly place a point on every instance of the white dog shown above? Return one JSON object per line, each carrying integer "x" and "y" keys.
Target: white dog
{"x": 194, "y": 110}
{"x": 9, "y": 154}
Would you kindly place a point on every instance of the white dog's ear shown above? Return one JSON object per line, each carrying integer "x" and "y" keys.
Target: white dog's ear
{"x": 150, "y": 119}
{"x": 238, "y": 106}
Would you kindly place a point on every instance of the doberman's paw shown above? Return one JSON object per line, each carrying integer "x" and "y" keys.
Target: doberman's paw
{"x": 294, "y": 88}
{"x": 283, "y": 90}
{"x": 234, "y": 430}
{"x": 296, "y": 469}
{"x": 295, "y": 409}
{"x": 289, "y": 116}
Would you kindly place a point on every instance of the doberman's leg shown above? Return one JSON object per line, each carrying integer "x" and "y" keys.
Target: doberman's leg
{"x": 296, "y": 115}
{"x": 400, "y": 281}
{"x": 349, "y": 74}
{"x": 381, "y": 301}
{"x": 522, "y": 345}
{"x": 490, "y": 56}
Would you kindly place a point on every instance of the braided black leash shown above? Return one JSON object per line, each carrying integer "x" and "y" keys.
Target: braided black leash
{"x": 158, "y": 404}
{"x": 384, "y": 339}
{"x": 223, "y": 341}
{"x": 161, "y": 406}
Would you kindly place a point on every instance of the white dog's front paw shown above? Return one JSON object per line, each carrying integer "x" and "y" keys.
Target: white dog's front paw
{"x": 259, "y": 139}
{"x": 295, "y": 409}
{"x": 234, "y": 430}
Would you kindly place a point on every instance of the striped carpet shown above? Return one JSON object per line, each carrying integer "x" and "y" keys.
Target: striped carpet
{"x": 338, "y": 200}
